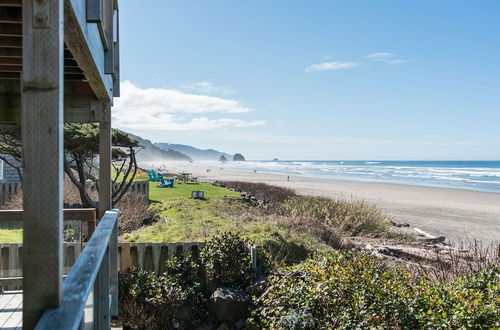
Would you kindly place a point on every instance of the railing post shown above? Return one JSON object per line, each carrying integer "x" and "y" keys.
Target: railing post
{"x": 91, "y": 226}
{"x": 102, "y": 317}
{"x": 113, "y": 264}
{"x": 105, "y": 189}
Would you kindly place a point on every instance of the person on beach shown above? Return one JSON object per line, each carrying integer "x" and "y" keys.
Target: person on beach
{"x": 288, "y": 178}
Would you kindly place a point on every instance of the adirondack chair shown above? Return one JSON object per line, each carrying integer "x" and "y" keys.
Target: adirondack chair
{"x": 152, "y": 176}
{"x": 166, "y": 183}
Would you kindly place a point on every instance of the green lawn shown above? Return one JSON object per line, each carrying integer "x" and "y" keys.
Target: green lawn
{"x": 183, "y": 190}
{"x": 184, "y": 219}
{"x": 11, "y": 235}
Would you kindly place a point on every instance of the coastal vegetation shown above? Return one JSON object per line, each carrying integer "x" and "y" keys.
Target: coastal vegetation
{"x": 313, "y": 269}
{"x": 312, "y": 272}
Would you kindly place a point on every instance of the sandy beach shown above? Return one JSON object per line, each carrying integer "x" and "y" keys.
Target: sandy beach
{"x": 457, "y": 214}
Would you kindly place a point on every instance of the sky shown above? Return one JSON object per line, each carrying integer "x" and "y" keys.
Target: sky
{"x": 314, "y": 80}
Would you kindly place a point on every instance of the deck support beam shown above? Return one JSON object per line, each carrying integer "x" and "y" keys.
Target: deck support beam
{"x": 42, "y": 90}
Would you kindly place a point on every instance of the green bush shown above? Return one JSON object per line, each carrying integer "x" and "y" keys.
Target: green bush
{"x": 355, "y": 290}
{"x": 149, "y": 301}
{"x": 152, "y": 301}
{"x": 226, "y": 261}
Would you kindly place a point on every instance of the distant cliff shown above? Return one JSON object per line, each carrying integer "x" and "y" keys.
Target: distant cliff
{"x": 195, "y": 153}
{"x": 153, "y": 153}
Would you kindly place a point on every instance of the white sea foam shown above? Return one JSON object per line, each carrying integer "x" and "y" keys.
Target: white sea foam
{"x": 465, "y": 175}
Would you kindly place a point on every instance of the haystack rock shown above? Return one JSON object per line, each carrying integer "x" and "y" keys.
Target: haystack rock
{"x": 238, "y": 158}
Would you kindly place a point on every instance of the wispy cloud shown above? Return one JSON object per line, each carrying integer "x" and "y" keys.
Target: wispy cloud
{"x": 331, "y": 66}
{"x": 379, "y": 56}
{"x": 388, "y": 58}
{"x": 173, "y": 110}
{"x": 384, "y": 57}
{"x": 205, "y": 87}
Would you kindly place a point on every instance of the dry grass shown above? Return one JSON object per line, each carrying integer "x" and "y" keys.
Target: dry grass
{"x": 328, "y": 235}
{"x": 352, "y": 217}
{"x": 15, "y": 202}
{"x": 449, "y": 263}
{"x": 263, "y": 192}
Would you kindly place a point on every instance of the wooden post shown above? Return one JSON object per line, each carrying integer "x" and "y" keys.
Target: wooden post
{"x": 102, "y": 318}
{"x": 113, "y": 265}
{"x": 104, "y": 166}
{"x": 42, "y": 89}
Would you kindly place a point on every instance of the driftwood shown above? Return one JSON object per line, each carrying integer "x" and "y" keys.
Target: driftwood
{"x": 431, "y": 239}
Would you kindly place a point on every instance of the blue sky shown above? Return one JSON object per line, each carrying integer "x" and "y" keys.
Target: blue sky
{"x": 314, "y": 79}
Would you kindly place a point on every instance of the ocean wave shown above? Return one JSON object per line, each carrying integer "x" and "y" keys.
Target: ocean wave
{"x": 465, "y": 175}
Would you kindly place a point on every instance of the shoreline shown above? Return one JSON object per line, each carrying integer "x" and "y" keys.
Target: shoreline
{"x": 458, "y": 214}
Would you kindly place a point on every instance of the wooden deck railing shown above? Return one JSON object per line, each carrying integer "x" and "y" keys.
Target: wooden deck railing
{"x": 90, "y": 291}
{"x": 87, "y": 217}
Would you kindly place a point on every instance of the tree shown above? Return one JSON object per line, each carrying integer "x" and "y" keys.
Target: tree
{"x": 10, "y": 145}
{"x": 81, "y": 150}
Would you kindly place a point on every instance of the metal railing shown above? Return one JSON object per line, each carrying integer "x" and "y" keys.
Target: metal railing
{"x": 90, "y": 291}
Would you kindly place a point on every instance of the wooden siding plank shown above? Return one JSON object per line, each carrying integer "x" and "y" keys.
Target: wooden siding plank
{"x": 11, "y": 30}
{"x": 42, "y": 136}
{"x": 11, "y": 3}
{"x": 10, "y": 15}
{"x": 11, "y": 52}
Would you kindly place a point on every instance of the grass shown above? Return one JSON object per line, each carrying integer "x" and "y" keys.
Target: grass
{"x": 183, "y": 190}
{"x": 11, "y": 235}
{"x": 187, "y": 220}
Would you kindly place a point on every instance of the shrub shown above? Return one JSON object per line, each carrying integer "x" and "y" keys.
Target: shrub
{"x": 149, "y": 301}
{"x": 267, "y": 193}
{"x": 354, "y": 217}
{"x": 355, "y": 290}
{"x": 134, "y": 213}
{"x": 226, "y": 261}
{"x": 152, "y": 301}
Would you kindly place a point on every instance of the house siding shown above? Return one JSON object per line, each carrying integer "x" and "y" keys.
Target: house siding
{"x": 10, "y": 173}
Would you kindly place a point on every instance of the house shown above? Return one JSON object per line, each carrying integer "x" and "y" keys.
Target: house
{"x": 8, "y": 173}
{"x": 59, "y": 62}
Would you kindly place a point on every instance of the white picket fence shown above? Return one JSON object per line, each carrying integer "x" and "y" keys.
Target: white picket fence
{"x": 140, "y": 187}
{"x": 149, "y": 256}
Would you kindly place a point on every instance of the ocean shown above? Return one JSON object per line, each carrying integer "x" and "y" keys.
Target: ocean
{"x": 471, "y": 175}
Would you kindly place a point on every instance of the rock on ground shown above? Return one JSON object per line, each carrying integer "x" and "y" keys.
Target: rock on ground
{"x": 230, "y": 305}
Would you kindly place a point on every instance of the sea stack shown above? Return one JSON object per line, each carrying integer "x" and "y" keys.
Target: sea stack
{"x": 223, "y": 159}
{"x": 238, "y": 158}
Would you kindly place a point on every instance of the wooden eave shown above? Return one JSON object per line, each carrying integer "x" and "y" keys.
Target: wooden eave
{"x": 88, "y": 88}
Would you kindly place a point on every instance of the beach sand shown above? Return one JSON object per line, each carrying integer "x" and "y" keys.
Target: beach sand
{"x": 459, "y": 215}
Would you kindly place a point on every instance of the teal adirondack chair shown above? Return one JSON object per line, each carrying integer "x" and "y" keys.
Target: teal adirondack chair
{"x": 152, "y": 176}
